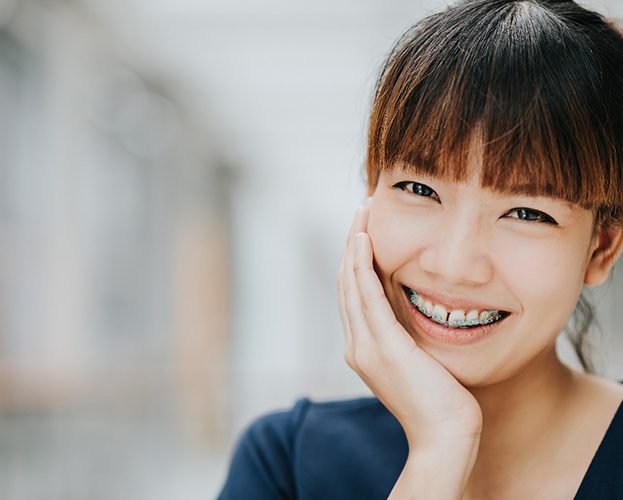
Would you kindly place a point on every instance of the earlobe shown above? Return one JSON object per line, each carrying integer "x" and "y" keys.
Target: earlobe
{"x": 604, "y": 255}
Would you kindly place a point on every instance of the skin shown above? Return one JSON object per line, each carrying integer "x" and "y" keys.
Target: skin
{"x": 503, "y": 407}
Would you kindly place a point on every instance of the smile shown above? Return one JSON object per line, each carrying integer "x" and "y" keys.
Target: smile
{"x": 455, "y": 318}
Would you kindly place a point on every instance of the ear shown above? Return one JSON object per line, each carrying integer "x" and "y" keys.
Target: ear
{"x": 606, "y": 248}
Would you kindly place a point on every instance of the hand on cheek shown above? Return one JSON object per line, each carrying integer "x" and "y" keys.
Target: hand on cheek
{"x": 426, "y": 399}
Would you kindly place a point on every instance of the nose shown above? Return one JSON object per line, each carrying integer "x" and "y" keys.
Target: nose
{"x": 457, "y": 254}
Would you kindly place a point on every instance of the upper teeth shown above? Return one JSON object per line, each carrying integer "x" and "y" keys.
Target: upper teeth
{"x": 455, "y": 317}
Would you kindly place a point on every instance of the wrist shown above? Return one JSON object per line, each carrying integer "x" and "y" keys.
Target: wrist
{"x": 440, "y": 440}
{"x": 439, "y": 472}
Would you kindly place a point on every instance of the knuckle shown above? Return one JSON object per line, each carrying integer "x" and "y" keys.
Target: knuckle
{"x": 369, "y": 300}
{"x": 366, "y": 301}
{"x": 349, "y": 358}
{"x": 363, "y": 360}
{"x": 358, "y": 267}
{"x": 349, "y": 295}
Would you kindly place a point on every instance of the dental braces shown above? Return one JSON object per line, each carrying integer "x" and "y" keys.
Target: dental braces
{"x": 454, "y": 323}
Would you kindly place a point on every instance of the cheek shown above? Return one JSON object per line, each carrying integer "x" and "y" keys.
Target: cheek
{"x": 393, "y": 240}
{"x": 385, "y": 252}
{"x": 546, "y": 277}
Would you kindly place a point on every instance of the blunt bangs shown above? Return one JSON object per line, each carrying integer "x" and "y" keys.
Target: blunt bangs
{"x": 536, "y": 86}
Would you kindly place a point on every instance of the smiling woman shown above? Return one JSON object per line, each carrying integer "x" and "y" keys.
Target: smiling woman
{"x": 495, "y": 194}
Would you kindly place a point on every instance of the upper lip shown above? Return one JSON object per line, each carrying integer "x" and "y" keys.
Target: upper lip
{"x": 454, "y": 302}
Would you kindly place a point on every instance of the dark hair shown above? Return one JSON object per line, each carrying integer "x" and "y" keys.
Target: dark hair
{"x": 537, "y": 84}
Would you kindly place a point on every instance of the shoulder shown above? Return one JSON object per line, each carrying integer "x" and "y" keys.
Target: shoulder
{"x": 311, "y": 427}
{"x": 305, "y": 414}
{"x": 603, "y": 410}
{"x": 345, "y": 426}
{"x": 313, "y": 444}
{"x": 604, "y": 478}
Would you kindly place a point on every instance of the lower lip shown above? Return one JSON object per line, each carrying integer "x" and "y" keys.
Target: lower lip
{"x": 456, "y": 336}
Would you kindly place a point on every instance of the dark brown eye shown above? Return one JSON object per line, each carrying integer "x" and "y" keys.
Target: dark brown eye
{"x": 416, "y": 188}
{"x": 529, "y": 215}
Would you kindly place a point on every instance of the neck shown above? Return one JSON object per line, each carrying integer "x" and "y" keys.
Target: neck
{"x": 519, "y": 413}
{"x": 534, "y": 394}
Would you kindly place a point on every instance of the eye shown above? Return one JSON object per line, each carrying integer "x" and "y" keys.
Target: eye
{"x": 417, "y": 188}
{"x": 529, "y": 215}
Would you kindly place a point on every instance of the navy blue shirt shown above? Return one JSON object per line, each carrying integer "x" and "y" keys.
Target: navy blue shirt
{"x": 356, "y": 449}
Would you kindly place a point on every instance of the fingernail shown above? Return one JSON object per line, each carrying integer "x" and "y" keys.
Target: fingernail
{"x": 368, "y": 201}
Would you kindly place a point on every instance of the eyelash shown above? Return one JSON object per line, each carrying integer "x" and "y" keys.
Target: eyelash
{"x": 401, "y": 185}
{"x": 542, "y": 217}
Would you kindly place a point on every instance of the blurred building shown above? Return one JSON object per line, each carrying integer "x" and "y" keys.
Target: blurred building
{"x": 115, "y": 268}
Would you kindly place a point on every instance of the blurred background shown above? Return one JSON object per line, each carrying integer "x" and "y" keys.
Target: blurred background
{"x": 176, "y": 181}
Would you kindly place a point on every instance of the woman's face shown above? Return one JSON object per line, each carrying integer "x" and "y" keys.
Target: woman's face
{"x": 525, "y": 255}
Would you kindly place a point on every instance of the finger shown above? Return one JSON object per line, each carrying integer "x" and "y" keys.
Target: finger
{"x": 348, "y": 285}
{"x": 360, "y": 221}
{"x": 376, "y": 309}
{"x": 359, "y": 224}
{"x": 342, "y": 306}
{"x": 357, "y": 330}
{"x": 346, "y": 263}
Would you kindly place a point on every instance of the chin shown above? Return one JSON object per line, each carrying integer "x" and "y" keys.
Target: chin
{"x": 469, "y": 371}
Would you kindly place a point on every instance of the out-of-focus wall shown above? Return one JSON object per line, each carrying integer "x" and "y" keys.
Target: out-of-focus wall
{"x": 176, "y": 183}
{"x": 115, "y": 266}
